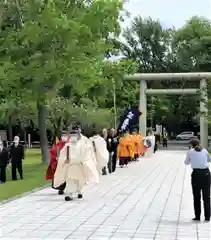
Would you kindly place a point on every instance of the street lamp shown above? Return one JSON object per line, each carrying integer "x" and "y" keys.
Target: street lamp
{"x": 114, "y": 103}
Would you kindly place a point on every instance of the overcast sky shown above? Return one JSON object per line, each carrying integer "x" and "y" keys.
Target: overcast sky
{"x": 169, "y": 12}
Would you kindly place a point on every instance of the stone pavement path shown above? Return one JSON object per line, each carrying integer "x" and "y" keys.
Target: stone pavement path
{"x": 149, "y": 200}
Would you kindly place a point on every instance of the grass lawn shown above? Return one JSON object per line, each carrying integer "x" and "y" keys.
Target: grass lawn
{"x": 33, "y": 173}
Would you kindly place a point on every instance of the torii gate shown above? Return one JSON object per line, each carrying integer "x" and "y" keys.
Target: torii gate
{"x": 202, "y": 90}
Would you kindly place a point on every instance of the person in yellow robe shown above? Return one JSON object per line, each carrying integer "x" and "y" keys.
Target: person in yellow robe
{"x": 137, "y": 144}
{"x": 125, "y": 149}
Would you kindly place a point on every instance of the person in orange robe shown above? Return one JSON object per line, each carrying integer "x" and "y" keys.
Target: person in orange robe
{"x": 125, "y": 149}
{"x": 137, "y": 144}
{"x": 54, "y": 154}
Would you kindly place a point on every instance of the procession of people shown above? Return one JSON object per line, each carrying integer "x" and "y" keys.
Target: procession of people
{"x": 76, "y": 160}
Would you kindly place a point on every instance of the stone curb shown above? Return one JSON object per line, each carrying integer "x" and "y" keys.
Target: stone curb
{"x": 2, "y": 202}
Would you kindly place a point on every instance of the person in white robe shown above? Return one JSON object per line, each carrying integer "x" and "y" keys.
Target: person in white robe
{"x": 100, "y": 149}
{"x": 76, "y": 165}
{"x": 150, "y": 142}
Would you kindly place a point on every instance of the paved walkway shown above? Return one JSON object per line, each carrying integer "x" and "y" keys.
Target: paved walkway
{"x": 149, "y": 200}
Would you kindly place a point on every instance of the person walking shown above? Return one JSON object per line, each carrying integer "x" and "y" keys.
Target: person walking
{"x": 165, "y": 139}
{"x": 104, "y": 135}
{"x": 54, "y": 155}
{"x": 125, "y": 149}
{"x": 111, "y": 147}
{"x": 199, "y": 159}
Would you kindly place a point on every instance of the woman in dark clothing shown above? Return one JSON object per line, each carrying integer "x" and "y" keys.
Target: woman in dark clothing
{"x": 199, "y": 159}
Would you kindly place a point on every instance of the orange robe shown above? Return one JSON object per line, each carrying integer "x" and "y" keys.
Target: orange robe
{"x": 140, "y": 144}
{"x": 125, "y": 147}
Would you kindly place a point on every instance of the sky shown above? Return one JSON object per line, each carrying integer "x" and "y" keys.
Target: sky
{"x": 169, "y": 12}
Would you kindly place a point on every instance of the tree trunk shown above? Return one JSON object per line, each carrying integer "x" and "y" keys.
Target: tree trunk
{"x": 42, "y": 130}
{"x": 10, "y": 128}
{"x": 24, "y": 134}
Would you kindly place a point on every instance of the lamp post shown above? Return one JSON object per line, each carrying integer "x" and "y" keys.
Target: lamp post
{"x": 114, "y": 103}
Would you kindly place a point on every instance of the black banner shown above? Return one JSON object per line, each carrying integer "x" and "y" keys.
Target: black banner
{"x": 129, "y": 119}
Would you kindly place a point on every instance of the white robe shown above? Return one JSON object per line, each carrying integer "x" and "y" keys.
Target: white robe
{"x": 101, "y": 152}
{"x": 150, "y": 150}
{"x": 81, "y": 168}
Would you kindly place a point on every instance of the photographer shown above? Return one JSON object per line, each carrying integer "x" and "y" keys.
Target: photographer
{"x": 199, "y": 159}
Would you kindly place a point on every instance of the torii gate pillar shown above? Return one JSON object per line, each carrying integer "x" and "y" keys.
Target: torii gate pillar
{"x": 203, "y": 113}
{"x": 143, "y": 108}
{"x": 194, "y": 76}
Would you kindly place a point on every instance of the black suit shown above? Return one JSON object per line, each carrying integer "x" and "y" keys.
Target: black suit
{"x": 4, "y": 157}
{"x": 16, "y": 156}
{"x": 112, "y": 144}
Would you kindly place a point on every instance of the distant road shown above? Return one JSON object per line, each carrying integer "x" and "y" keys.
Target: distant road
{"x": 176, "y": 142}
{"x": 176, "y": 145}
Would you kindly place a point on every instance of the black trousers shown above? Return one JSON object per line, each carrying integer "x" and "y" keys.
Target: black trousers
{"x": 104, "y": 172}
{"x": 200, "y": 180}
{"x": 17, "y": 165}
{"x": 114, "y": 157}
{"x": 110, "y": 163}
{"x": 124, "y": 161}
{"x": 155, "y": 147}
{"x": 165, "y": 142}
{"x": 3, "y": 174}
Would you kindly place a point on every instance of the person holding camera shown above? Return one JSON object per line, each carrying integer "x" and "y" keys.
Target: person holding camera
{"x": 199, "y": 159}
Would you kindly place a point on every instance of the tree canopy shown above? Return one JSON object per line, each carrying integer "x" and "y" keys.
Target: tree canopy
{"x": 56, "y": 67}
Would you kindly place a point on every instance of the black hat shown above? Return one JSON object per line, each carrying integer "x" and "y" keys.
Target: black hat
{"x": 134, "y": 129}
{"x": 75, "y": 128}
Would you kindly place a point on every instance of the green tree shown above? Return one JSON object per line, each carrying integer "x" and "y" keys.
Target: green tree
{"x": 156, "y": 50}
{"x": 59, "y": 43}
{"x": 194, "y": 54}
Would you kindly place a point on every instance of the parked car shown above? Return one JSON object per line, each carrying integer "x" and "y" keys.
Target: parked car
{"x": 185, "y": 136}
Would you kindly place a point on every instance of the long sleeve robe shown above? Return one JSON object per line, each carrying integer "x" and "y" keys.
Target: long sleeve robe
{"x": 101, "y": 152}
{"x": 81, "y": 168}
{"x": 125, "y": 147}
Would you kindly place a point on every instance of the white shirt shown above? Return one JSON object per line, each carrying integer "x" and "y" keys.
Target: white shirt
{"x": 198, "y": 160}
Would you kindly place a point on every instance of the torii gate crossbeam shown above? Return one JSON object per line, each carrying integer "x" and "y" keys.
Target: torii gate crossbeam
{"x": 202, "y": 77}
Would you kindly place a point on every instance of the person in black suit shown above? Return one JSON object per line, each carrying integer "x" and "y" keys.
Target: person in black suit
{"x": 16, "y": 156}
{"x": 4, "y": 157}
{"x": 112, "y": 149}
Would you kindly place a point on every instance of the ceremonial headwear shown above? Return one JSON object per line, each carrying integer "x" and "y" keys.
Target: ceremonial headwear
{"x": 134, "y": 130}
{"x": 75, "y": 128}
{"x": 75, "y": 131}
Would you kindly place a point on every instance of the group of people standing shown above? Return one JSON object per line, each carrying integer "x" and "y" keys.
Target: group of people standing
{"x": 14, "y": 155}
{"x": 77, "y": 160}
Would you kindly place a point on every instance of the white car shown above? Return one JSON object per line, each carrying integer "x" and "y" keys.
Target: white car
{"x": 185, "y": 136}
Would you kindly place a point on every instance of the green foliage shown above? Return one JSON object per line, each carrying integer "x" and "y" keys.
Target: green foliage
{"x": 52, "y": 62}
{"x": 46, "y": 45}
{"x": 156, "y": 49}
{"x": 61, "y": 112}
{"x": 194, "y": 44}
